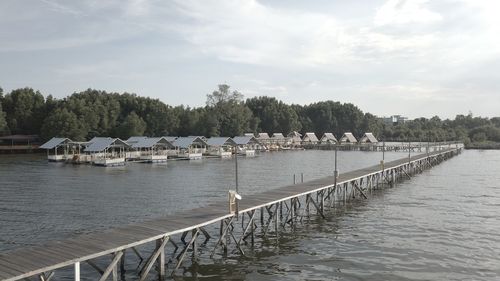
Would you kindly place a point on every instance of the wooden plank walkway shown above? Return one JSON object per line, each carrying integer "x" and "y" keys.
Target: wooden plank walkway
{"x": 25, "y": 262}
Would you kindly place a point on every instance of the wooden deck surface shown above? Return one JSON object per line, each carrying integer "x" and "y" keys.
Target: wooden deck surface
{"x": 24, "y": 262}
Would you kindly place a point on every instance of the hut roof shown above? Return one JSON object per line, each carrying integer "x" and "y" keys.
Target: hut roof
{"x": 369, "y": 137}
{"x": 54, "y": 142}
{"x": 348, "y": 137}
{"x": 170, "y": 138}
{"x": 262, "y": 136}
{"x": 135, "y": 139}
{"x": 249, "y": 135}
{"x": 185, "y": 142}
{"x": 99, "y": 144}
{"x": 220, "y": 141}
{"x": 244, "y": 140}
{"x": 328, "y": 136}
{"x": 278, "y": 136}
{"x": 310, "y": 136}
{"x": 151, "y": 142}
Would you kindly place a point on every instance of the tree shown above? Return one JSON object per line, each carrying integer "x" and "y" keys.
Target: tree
{"x": 4, "y": 129}
{"x": 132, "y": 125}
{"x": 273, "y": 116}
{"x": 25, "y": 110}
{"x": 63, "y": 123}
{"x": 232, "y": 115}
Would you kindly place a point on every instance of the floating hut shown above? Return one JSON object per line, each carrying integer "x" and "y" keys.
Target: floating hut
{"x": 348, "y": 138}
{"x": 190, "y": 147}
{"x": 246, "y": 145}
{"x": 278, "y": 139}
{"x": 107, "y": 151}
{"x": 310, "y": 138}
{"x": 134, "y": 154}
{"x": 368, "y": 138}
{"x": 264, "y": 140}
{"x": 220, "y": 146}
{"x": 58, "y": 149}
{"x": 328, "y": 138}
{"x": 153, "y": 150}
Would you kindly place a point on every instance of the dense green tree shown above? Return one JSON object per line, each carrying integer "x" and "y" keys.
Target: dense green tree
{"x": 232, "y": 115}
{"x": 3, "y": 122}
{"x": 132, "y": 125}
{"x": 63, "y": 123}
{"x": 25, "y": 110}
{"x": 90, "y": 113}
{"x": 273, "y": 115}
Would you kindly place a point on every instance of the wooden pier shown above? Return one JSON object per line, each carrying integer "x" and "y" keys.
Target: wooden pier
{"x": 169, "y": 239}
{"x": 389, "y": 146}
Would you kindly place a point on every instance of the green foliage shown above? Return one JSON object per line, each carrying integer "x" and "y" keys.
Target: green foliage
{"x": 273, "y": 115}
{"x": 90, "y": 113}
{"x": 25, "y": 110}
{"x": 226, "y": 113}
{"x": 63, "y": 123}
{"x": 4, "y": 129}
{"x": 132, "y": 125}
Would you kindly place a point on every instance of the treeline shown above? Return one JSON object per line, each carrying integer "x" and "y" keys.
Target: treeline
{"x": 92, "y": 113}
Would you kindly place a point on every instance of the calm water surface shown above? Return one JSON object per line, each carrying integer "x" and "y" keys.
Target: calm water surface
{"x": 440, "y": 225}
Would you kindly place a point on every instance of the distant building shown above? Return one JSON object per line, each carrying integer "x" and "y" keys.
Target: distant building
{"x": 394, "y": 120}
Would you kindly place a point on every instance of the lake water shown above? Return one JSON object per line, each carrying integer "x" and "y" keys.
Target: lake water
{"x": 440, "y": 225}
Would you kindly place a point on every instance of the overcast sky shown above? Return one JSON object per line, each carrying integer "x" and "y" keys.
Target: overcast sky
{"x": 416, "y": 58}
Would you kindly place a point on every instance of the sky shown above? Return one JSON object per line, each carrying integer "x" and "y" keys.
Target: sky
{"x": 415, "y": 58}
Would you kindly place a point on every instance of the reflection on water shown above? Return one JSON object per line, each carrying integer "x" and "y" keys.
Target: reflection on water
{"x": 440, "y": 225}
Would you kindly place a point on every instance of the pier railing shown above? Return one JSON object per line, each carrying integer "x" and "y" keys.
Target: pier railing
{"x": 168, "y": 240}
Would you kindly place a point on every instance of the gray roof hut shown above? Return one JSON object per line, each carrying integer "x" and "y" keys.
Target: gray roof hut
{"x": 220, "y": 141}
{"x": 221, "y": 146}
{"x": 245, "y": 140}
{"x": 107, "y": 151}
{"x": 348, "y": 138}
{"x": 188, "y": 142}
{"x": 328, "y": 138}
{"x": 152, "y": 143}
{"x": 368, "y": 138}
{"x": 100, "y": 144}
{"x": 310, "y": 138}
{"x": 55, "y": 142}
{"x": 60, "y": 147}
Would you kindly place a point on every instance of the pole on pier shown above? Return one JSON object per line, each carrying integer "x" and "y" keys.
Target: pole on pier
{"x": 409, "y": 152}
{"x": 77, "y": 271}
{"x": 335, "y": 172}
{"x": 236, "y": 171}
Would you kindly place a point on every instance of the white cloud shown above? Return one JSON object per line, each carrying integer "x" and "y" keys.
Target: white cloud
{"x": 404, "y": 12}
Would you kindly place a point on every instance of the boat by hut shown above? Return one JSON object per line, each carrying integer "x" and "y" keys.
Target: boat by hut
{"x": 220, "y": 146}
{"x": 368, "y": 138}
{"x": 105, "y": 151}
{"x": 246, "y": 145}
{"x": 328, "y": 138}
{"x": 189, "y": 147}
{"x": 153, "y": 150}
{"x": 348, "y": 138}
